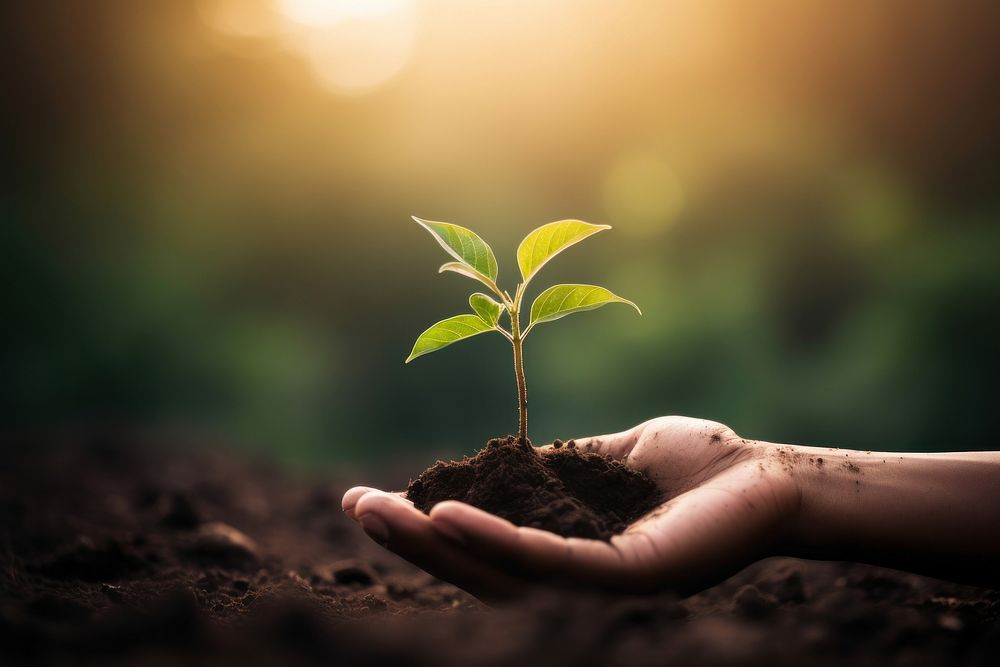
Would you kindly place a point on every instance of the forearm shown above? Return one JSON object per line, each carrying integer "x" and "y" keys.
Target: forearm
{"x": 934, "y": 513}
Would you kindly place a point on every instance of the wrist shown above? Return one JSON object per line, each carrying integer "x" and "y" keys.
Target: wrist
{"x": 832, "y": 488}
{"x": 829, "y": 483}
{"x": 792, "y": 487}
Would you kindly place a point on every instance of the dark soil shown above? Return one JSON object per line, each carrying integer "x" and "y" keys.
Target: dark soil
{"x": 561, "y": 490}
{"x": 117, "y": 550}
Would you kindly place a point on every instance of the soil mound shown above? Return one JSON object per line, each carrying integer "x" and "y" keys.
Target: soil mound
{"x": 562, "y": 490}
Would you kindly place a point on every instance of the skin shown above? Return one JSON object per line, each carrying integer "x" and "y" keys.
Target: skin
{"x": 732, "y": 501}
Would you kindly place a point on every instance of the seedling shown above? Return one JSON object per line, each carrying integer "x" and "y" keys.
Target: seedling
{"x": 475, "y": 259}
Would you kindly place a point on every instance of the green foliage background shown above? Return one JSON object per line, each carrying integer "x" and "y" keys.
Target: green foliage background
{"x": 194, "y": 232}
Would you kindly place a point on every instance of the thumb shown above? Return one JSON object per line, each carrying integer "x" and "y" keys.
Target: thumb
{"x": 614, "y": 445}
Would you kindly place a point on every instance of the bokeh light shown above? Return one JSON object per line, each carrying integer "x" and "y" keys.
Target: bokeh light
{"x": 643, "y": 195}
{"x": 320, "y": 13}
{"x": 354, "y": 45}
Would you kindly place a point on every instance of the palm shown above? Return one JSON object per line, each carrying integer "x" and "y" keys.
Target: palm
{"x": 728, "y": 502}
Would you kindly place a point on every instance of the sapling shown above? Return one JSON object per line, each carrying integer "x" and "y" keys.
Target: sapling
{"x": 475, "y": 259}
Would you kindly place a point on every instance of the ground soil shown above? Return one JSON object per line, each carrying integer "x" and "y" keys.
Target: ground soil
{"x": 562, "y": 490}
{"x": 118, "y": 550}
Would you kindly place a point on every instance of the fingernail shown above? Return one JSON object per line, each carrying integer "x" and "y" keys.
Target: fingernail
{"x": 450, "y": 532}
{"x": 375, "y": 527}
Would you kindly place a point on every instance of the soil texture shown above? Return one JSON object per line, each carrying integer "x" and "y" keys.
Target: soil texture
{"x": 120, "y": 549}
{"x": 562, "y": 490}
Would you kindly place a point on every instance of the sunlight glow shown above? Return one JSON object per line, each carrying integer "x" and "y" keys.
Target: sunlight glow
{"x": 239, "y": 18}
{"x": 319, "y": 13}
{"x": 354, "y": 46}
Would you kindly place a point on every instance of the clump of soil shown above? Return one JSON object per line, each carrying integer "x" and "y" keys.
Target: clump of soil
{"x": 562, "y": 490}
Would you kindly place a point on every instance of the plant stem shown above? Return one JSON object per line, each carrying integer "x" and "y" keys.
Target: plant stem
{"x": 522, "y": 388}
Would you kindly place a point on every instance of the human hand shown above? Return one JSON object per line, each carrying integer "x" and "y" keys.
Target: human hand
{"x": 732, "y": 502}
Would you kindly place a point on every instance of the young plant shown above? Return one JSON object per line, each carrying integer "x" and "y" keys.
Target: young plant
{"x": 474, "y": 259}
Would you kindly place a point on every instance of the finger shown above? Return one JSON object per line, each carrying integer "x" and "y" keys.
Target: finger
{"x": 497, "y": 539}
{"x": 351, "y": 498}
{"x": 531, "y": 552}
{"x": 396, "y": 524}
{"x": 353, "y": 495}
{"x": 672, "y": 547}
{"x": 615, "y": 445}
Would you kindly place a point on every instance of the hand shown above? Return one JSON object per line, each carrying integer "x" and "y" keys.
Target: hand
{"x": 731, "y": 501}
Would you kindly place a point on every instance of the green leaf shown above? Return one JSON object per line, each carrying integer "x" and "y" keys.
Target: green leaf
{"x": 446, "y": 332}
{"x": 488, "y": 309}
{"x": 561, "y": 300}
{"x": 464, "y": 245}
{"x": 549, "y": 240}
{"x": 468, "y": 272}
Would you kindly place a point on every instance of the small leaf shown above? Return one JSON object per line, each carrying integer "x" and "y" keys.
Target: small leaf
{"x": 468, "y": 272}
{"x": 549, "y": 240}
{"x": 561, "y": 300}
{"x": 464, "y": 245}
{"x": 488, "y": 309}
{"x": 446, "y": 332}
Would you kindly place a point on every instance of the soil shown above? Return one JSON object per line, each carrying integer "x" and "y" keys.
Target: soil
{"x": 122, "y": 549}
{"x": 562, "y": 490}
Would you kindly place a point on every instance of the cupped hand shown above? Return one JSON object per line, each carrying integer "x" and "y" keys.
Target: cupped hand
{"x": 729, "y": 501}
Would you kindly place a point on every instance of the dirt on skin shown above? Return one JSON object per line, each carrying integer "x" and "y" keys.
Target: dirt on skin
{"x": 119, "y": 549}
{"x": 562, "y": 490}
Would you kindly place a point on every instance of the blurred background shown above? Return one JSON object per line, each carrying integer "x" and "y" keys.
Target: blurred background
{"x": 205, "y": 218}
